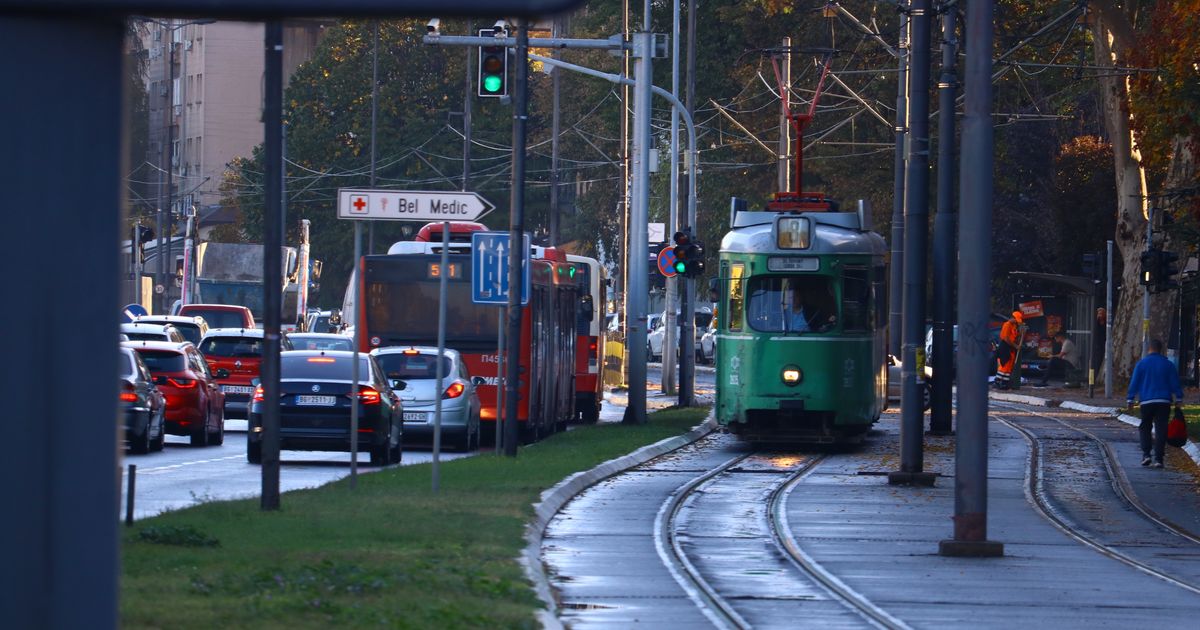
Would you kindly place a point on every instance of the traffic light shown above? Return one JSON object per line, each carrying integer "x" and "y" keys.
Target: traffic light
{"x": 142, "y": 235}
{"x": 1150, "y": 267}
{"x": 1167, "y": 269}
{"x": 493, "y": 68}
{"x": 689, "y": 255}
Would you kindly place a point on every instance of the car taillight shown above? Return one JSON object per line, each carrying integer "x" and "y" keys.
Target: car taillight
{"x": 182, "y": 382}
{"x": 258, "y": 394}
{"x": 455, "y": 390}
{"x": 128, "y": 397}
{"x": 592, "y": 350}
{"x": 368, "y": 396}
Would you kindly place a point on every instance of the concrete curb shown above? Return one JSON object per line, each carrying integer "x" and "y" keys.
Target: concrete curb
{"x": 555, "y": 498}
{"x": 1191, "y": 448}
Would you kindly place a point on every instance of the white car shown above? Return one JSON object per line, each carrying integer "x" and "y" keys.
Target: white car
{"x": 658, "y": 332}
{"x": 708, "y": 344}
{"x": 412, "y": 373}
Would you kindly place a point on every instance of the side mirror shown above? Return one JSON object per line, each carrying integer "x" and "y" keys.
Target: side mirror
{"x": 478, "y": 380}
{"x": 256, "y": 381}
{"x": 586, "y": 308}
{"x": 221, "y": 373}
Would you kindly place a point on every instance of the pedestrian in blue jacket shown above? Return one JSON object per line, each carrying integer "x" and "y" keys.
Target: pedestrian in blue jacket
{"x": 1155, "y": 383}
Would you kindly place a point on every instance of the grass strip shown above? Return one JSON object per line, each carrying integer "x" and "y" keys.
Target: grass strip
{"x": 390, "y": 553}
{"x": 1192, "y": 413}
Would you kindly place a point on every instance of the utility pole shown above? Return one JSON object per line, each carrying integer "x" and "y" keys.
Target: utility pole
{"x": 896, "y": 279}
{"x": 272, "y": 265}
{"x": 916, "y": 224}
{"x": 516, "y": 230}
{"x": 556, "y": 121}
{"x": 635, "y": 298}
{"x": 687, "y": 289}
{"x": 672, "y": 283}
{"x": 374, "y": 115}
{"x": 941, "y": 408}
{"x": 974, "y": 295}
{"x": 785, "y": 126}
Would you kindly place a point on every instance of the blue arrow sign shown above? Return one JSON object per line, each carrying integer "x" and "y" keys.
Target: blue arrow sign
{"x": 132, "y": 311}
{"x": 489, "y": 268}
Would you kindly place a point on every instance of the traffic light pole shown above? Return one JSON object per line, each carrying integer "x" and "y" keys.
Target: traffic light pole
{"x": 516, "y": 230}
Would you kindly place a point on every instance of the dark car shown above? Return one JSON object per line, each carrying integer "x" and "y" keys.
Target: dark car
{"x": 195, "y": 404}
{"x": 315, "y": 407}
{"x": 145, "y": 407}
{"x": 235, "y": 356}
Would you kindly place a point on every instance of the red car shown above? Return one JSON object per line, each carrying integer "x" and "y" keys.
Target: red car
{"x": 195, "y": 403}
{"x": 235, "y": 356}
{"x": 220, "y": 315}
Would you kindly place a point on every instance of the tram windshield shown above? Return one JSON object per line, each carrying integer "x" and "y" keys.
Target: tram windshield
{"x": 792, "y": 304}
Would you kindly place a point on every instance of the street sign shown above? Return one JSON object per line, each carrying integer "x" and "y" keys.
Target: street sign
{"x": 132, "y": 311}
{"x": 657, "y": 232}
{"x": 666, "y": 262}
{"x": 411, "y": 205}
{"x": 489, "y": 268}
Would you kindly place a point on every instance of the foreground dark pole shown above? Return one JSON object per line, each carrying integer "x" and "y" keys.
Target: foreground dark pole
{"x": 516, "y": 230}
{"x": 916, "y": 226}
{"x": 975, "y": 260}
{"x": 60, "y": 540}
{"x": 272, "y": 265}
{"x": 941, "y": 414}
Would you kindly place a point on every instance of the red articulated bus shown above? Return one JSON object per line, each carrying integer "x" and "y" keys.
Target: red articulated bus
{"x": 592, "y": 280}
{"x": 400, "y": 308}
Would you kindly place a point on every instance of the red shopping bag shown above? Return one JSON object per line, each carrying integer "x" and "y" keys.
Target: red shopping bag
{"x": 1177, "y": 428}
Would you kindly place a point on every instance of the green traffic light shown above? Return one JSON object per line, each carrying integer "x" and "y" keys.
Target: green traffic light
{"x": 571, "y": 272}
{"x": 492, "y": 83}
{"x": 680, "y": 267}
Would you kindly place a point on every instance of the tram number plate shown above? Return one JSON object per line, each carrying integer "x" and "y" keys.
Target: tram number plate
{"x": 416, "y": 416}
{"x": 316, "y": 401}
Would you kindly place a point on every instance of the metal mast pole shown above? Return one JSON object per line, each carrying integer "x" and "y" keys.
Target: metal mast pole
{"x": 556, "y": 121}
{"x": 1108, "y": 299}
{"x": 272, "y": 265}
{"x": 785, "y": 126}
{"x": 896, "y": 279}
{"x": 516, "y": 230}
{"x": 687, "y": 293}
{"x": 466, "y": 167}
{"x": 974, "y": 294}
{"x": 1145, "y": 287}
{"x": 916, "y": 224}
{"x": 672, "y": 298}
{"x": 941, "y": 413}
{"x": 168, "y": 264}
{"x": 374, "y": 115}
{"x": 638, "y": 247}
{"x": 623, "y": 288}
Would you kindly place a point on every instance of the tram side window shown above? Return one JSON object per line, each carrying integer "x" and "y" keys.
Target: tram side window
{"x": 792, "y": 304}
{"x": 881, "y": 297}
{"x": 856, "y": 299}
{"x": 736, "y": 296}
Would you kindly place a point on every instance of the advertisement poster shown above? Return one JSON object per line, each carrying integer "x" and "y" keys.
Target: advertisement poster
{"x": 1053, "y": 324}
{"x": 1031, "y": 309}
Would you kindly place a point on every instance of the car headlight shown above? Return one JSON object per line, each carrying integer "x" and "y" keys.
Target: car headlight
{"x": 791, "y": 375}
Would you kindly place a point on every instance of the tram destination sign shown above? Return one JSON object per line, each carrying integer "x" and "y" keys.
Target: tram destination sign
{"x": 411, "y": 205}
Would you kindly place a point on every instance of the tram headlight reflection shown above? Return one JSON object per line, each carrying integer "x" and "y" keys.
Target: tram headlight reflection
{"x": 792, "y": 375}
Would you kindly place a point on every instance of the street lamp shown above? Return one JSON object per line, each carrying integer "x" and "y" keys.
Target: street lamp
{"x": 166, "y": 217}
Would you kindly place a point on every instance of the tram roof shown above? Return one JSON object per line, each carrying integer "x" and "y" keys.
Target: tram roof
{"x": 832, "y": 233}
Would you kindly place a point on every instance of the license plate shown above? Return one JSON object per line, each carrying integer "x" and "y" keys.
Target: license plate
{"x": 237, "y": 389}
{"x": 320, "y": 401}
{"x": 416, "y": 416}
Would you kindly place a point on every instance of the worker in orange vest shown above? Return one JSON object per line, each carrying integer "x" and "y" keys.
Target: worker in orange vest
{"x": 1010, "y": 346}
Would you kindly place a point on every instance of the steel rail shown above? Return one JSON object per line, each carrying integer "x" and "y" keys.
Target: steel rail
{"x": 780, "y": 530}
{"x": 715, "y": 607}
{"x": 1035, "y": 493}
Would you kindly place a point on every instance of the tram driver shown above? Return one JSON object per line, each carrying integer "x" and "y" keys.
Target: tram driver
{"x": 793, "y": 304}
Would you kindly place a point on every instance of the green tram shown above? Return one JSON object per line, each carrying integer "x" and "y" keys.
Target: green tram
{"x": 802, "y": 323}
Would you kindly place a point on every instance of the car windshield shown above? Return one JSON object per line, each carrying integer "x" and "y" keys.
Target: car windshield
{"x": 242, "y": 347}
{"x": 305, "y": 342}
{"x": 412, "y": 366}
{"x": 322, "y": 367}
{"x": 191, "y": 332}
{"x": 220, "y": 319}
{"x": 163, "y": 360}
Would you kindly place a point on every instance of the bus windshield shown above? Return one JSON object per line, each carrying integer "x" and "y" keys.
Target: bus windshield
{"x": 402, "y": 303}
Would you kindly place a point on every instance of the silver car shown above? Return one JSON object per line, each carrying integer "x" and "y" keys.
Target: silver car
{"x": 412, "y": 373}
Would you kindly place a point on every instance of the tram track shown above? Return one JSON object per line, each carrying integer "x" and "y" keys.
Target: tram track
{"x": 716, "y": 606}
{"x": 1039, "y": 497}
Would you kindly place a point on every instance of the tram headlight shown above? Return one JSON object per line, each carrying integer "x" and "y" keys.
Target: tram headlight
{"x": 791, "y": 375}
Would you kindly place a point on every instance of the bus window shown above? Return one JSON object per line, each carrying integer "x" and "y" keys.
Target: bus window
{"x": 856, "y": 299}
{"x": 736, "y": 296}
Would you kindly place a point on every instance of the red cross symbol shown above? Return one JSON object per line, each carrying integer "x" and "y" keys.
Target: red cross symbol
{"x": 360, "y": 204}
